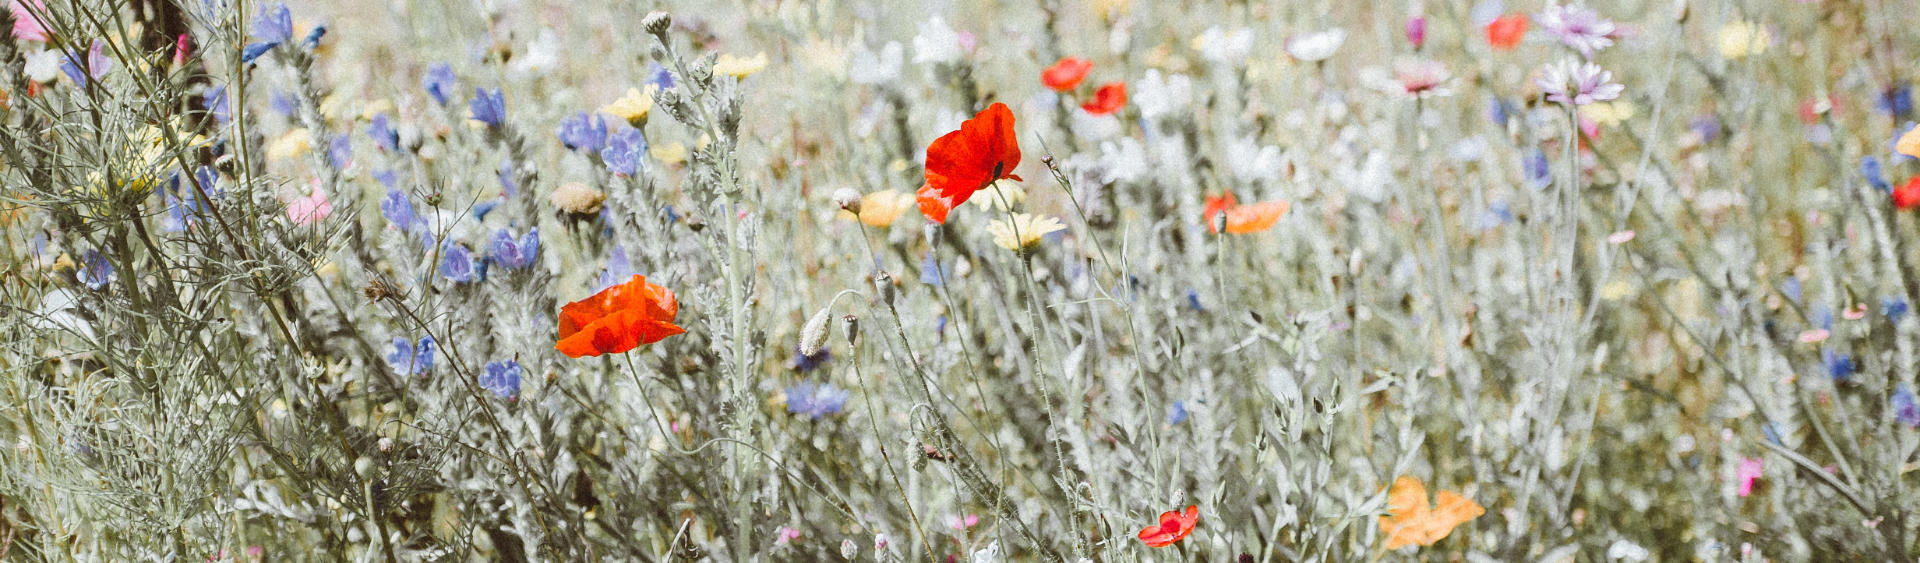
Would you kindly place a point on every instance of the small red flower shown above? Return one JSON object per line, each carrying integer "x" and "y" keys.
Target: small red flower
{"x": 1172, "y": 527}
{"x": 1907, "y": 196}
{"x": 962, "y": 162}
{"x": 618, "y": 319}
{"x": 1506, "y": 31}
{"x": 1108, "y": 99}
{"x": 1066, "y": 74}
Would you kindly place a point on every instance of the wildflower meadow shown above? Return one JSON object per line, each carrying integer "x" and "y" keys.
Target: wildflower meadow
{"x": 959, "y": 280}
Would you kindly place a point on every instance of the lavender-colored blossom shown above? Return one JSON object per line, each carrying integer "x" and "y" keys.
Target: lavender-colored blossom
{"x": 803, "y": 362}
{"x": 1839, "y": 366}
{"x": 507, "y": 185}
{"x": 281, "y": 102}
{"x": 1707, "y": 127}
{"x": 815, "y": 401}
{"x": 438, "y": 82}
{"x": 340, "y": 151}
{"x": 215, "y": 99}
{"x": 1905, "y": 409}
{"x": 386, "y": 177}
{"x": 313, "y": 37}
{"x": 456, "y": 263}
{"x": 183, "y": 209}
{"x": 1896, "y": 101}
{"x": 96, "y": 64}
{"x": 95, "y": 271}
{"x": 625, "y": 151}
{"x": 502, "y": 378}
{"x": 1578, "y": 83}
{"x": 931, "y": 273}
{"x": 409, "y": 358}
{"x": 383, "y": 134}
{"x": 584, "y": 132}
{"x": 1893, "y": 308}
{"x": 1578, "y": 27}
{"x": 1870, "y": 168}
{"x": 1539, "y": 172}
{"x": 618, "y": 271}
{"x": 515, "y": 254}
{"x": 480, "y": 210}
{"x": 398, "y": 209}
{"x": 1178, "y": 413}
{"x": 659, "y": 76}
{"x": 488, "y": 106}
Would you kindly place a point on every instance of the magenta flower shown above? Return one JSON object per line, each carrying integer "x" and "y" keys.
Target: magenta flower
{"x": 1749, "y": 470}
{"x": 1579, "y": 27}
{"x": 26, "y": 25}
{"x": 1577, "y": 83}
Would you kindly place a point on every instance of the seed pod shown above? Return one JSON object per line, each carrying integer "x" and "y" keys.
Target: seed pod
{"x": 850, "y": 328}
{"x": 883, "y": 283}
{"x": 813, "y": 335}
{"x": 847, "y": 199}
{"x": 657, "y": 23}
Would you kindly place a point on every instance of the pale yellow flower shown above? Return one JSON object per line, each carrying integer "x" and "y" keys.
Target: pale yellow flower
{"x": 1741, "y": 38}
{"x": 670, "y": 153}
{"x": 881, "y": 208}
{"x": 633, "y": 107}
{"x": 1909, "y": 143}
{"x": 991, "y": 201}
{"x": 1024, "y": 232}
{"x": 740, "y": 67}
{"x": 291, "y": 145}
{"x": 1609, "y": 113}
{"x": 578, "y": 198}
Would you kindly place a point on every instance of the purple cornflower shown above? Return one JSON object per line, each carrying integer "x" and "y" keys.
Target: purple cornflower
{"x": 584, "y": 132}
{"x": 931, "y": 273}
{"x": 383, "y": 134}
{"x": 409, "y": 358}
{"x": 804, "y": 363}
{"x": 438, "y": 82}
{"x": 618, "y": 271}
{"x": 95, "y": 272}
{"x": 1179, "y": 413}
{"x": 215, "y": 99}
{"x": 624, "y": 151}
{"x": 97, "y": 64}
{"x": 515, "y": 254}
{"x": 456, "y": 263}
{"x": 815, "y": 401}
{"x": 1577, "y": 83}
{"x": 1707, "y": 127}
{"x": 489, "y": 107}
{"x": 1870, "y": 167}
{"x": 1905, "y": 410}
{"x": 507, "y": 186}
{"x": 398, "y": 209}
{"x": 1893, "y": 308}
{"x": 273, "y": 25}
{"x": 1579, "y": 27}
{"x": 658, "y": 75}
{"x": 340, "y": 151}
{"x": 1417, "y": 31}
{"x": 255, "y": 50}
{"x": 1896, "y": 101}
{"x": 1539, "y": 173}
{"x": 281, "y": 102}
{"x": 1839, "y": 366}
{"x": 502, "y": 378}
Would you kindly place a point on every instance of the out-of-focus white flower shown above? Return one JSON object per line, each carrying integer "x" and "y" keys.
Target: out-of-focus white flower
{"x": 1090, "y": 127}
{"x": 1124, "y": 160}
{"x": 543, "y": 54}
{"x": 1369, "y": 180}
{"x": 1251, "y": 162}
{"x": 55, "y": 313}
{"x": 1224, "y": 47}
{"x": 1157, "y": 96}
{"x": 43, "y": 66}
{"x": 866, "y": 67}
{"x": 1411, "y": 78}
{"x": 936, "y": 43}
{"x": 1317, "y": 46}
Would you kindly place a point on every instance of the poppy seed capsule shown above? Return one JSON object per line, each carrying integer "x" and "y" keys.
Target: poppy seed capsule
{"x": 848, "y": 200}
{"x": 850, "y": 328}
{"x": 813, "y": 335}
{"x": 883, "y": 282}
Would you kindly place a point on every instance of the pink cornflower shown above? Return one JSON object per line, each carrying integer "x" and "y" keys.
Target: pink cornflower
{"x": 1577, "y": 83}
{"x": 1579, "y": 27}
{"x": 1749, "y": 470}
{"x": 310, "y": 208}
{"x": 1420, "y": 78}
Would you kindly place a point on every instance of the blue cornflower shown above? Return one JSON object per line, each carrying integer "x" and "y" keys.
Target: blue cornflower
{"x": 931, "y": 273}
{"x": 1707, "y": 127}
{"x": 1870, "y": 168}
{"x": 625, "y": 151}
{"x": 456, "y": 263}
{"x": 618, "y": 271}
{"x": 95, "y": 271}
{"x": 273, "y": 25}
{"x": 383, "y": 134}
{"x": 508, "y": 187}
{"x": 515, "y": 254}
{"x": 1179, "y": 413}
{"x": 182, "y": 209}
{"x": 480, "y": 210}
{"x": 313, "y": 37}
{"x": 1839, "y": 366}
{"x": 1193, "y": 300}
{"x": 1896, "y": 101}
{"x": 1905, "y": 410}
{"x": 282, "y": 102}
{"x": 398, "y": 209}
{"x": 1498, "y": 111}
{"x": 409, "y": 358}
{"x": 438, "y": 81}
{"x": 940, "y": 326}
{"x": 254, "y": 50}
{"x": 1791, "y": 287}
{"x": 804, "y": 363}
{"x": 1539, "y": 174}
{"x": 502, "y": 378}
{"x": 584, "y": 132}
{"x": 386, "y": 177}
{"x": 488, "y": 106}
{"x": 215, "y": 99}
{"x": 815, "y": 401}
{"x": 658, "y": 75}
{"x": 1893, "y": 308}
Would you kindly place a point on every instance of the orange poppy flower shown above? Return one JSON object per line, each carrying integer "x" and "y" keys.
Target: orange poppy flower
{"x": 1411, "y": 521}
{"x": 1108, "y": 99}
{"x": 1506, "y": 31}
{"x": 1907, "y": 195}
{"x": 1066, "y": 74}
{"x": 618, "y": 319}
{"x": 1244, "y": 219}
{"x": 1172, "y": 527}
{"x": 961, "y": 162}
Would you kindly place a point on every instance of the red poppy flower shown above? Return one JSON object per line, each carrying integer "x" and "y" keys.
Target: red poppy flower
{"x": 1108, "y": 99}
{"x": 1066, "y": 74}
{"x": 1505, "y": 32}
{"x": 618, "y": 319}
{"x": 1172, "y": 527}
{"x": 964, "y": 161}
{"x": 1243, "y": 219}
{"x": 1907, "y": 196}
